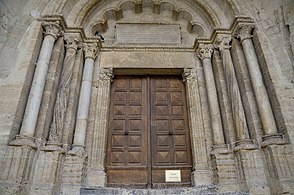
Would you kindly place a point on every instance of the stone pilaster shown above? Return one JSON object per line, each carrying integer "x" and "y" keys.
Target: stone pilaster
{"x": 61, "y": 103}
{"x": 201, "y": 174}
{"x": 271, "y": 135}
{"x": 25, "y": 137}
{"x": 204, "y": 53}
{"x": 238, "y": 113}
{"x": 90, "y": 51}
{"x": 95, "y": 173}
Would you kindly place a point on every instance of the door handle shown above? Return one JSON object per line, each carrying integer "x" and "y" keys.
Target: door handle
{"x": 170, "y": 133}
{"x": 126, "y": 132}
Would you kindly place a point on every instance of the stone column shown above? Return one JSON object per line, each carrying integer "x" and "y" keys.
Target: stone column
{"x": 240, "y": 123}
{"x": 201, "y": 174}
{"x": 57, "y": 125}
{"x": 90, "y": 50}
{"x": 271, "y": 135}
{"x": 204, "y": 53}
{"x": 52, "y": 31}
{"x": 96, "y": 174}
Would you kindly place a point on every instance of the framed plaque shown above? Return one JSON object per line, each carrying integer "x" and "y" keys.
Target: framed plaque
{"x": 172, "y": 175}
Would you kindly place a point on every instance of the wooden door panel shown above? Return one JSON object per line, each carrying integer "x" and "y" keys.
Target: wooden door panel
{"x": 169, "y": 131}
{"x": 148, "y": 123}
{"x": 127, "y": 140}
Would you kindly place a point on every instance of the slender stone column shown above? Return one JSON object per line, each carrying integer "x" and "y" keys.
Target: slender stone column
{"x": 201, "y": 174}
{"x": 204, "y": 53}
{"x": 57, "y": 125}
{"x": 271, "y": 135}
{"x": 52, "y": 31}
{"x": 234, "y": 91}
{"x": 90, "y": 50}
{"x": 96, "y": 174}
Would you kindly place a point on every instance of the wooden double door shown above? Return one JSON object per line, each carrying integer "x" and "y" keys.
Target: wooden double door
{"x": 148, "y": 133}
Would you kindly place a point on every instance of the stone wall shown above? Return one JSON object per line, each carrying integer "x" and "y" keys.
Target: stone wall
{"x": 225, "y": 142}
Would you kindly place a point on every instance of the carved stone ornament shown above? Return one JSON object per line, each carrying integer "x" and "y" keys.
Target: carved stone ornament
{"x": 138, "y": 1}
{"x": 244, "y": 32}
{"x": 71, "y": 41}
{"x": 90, "y": 50}
{"x": 223, "y": 42}
{"x": 52, "y": 28}
{"x": 157, "y": 2}
{"x": 106, "y": 74}
{"x": 189, "y": 74}
{"x": 205, "y": 51}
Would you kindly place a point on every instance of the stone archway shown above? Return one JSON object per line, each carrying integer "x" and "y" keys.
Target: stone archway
{"x": 65, "y": 121}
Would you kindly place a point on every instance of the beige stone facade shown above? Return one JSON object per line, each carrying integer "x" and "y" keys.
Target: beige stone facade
{"x": 59, "y": 57}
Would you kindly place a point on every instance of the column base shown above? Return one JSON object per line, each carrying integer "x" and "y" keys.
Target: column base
{"x": 273, "y": 139}
{"x": 245, "y": 144}
{"x": 23, "y": 140}
{"x": 77, "y": 150}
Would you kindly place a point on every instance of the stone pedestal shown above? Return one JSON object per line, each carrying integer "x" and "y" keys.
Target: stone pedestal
{"x": 46, "y": 172}
{"x": 72, "y": 172}
{"x": 280, "y": 161}
{"x": 15, "y": 170}
{"x": 225, "y": 170}
{"x": 252, "y": 171}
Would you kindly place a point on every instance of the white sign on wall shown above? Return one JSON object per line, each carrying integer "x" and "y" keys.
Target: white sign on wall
{"x": 172, "y": 175}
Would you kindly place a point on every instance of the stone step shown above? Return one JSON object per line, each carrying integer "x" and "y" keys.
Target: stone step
{"x": 166, "y": 191}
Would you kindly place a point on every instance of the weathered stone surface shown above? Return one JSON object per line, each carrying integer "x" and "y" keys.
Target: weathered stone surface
{"x": 248, "y": 85}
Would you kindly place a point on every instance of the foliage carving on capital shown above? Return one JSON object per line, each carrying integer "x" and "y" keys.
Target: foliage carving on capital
{"x": 205, "y": 51}
{"x": 156, "y": 2}
{"x": 90, "y": 50}
{"x": 52, "y": 28}
{"x": 244, "y": 32}
{"x": 106, "y": 74}
{"x": 223, "y": 42}
{"x": 189, "y": 74}
{"x": 138, "y": 1}
{"x": 72, "y": 41}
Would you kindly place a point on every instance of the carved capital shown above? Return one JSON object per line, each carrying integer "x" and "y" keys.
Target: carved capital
{"x": 243, "y": 32}
{"x": 205, "y": 51}
{"x": 90, "y": 50}
{"x": 189, "y": 74}
{"x": 72, "y": 42}
{"x": 138, "y": 2}
{"x": 156, "y": 2}
{"x": 52, "y": 28}
{"x": 223, "y": 42}
{"x": 106, "y": 74}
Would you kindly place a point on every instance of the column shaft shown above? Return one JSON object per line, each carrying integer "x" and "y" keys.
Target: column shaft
{"x": 233, "y": 90}
{"x": 204, "y": 54}
{"x": 265, "y": 110}
{"x": 57, "y": 125}
{"x": 85, "y": 95}
{"x": 36, "y": 91}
